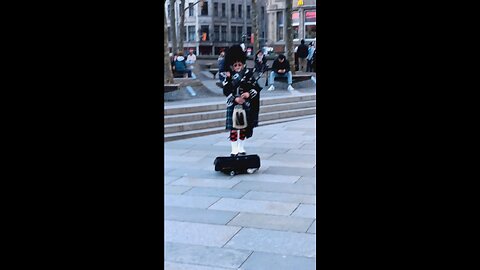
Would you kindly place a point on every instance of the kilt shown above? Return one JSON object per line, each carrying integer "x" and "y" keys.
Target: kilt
{"x": 229, "y": 116}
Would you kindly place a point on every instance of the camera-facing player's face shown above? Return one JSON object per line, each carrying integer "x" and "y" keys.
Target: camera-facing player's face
{"x": 237, "y": 66}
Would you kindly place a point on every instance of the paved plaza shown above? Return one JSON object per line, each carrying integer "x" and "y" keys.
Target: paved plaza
{"x": 260, "y": 221}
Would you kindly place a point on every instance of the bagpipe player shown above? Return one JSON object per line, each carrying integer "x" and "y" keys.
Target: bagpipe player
{"x": 243, "y": 99}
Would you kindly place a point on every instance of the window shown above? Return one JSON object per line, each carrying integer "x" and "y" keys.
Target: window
{"x": 295, "y": 31}
{"x": 185, "y": 38}
{"x": 169, "y": 36}
{"x": 216, "y": 33}
{"x": 239, "y": 11}
{"x": 310, "y": 24}
{"x": 168, "y": 11}
{"x": 249, "y": 33}
{"x": 204, "y": 33}
{"x": 204, "y": 11}
{"x": 239, "y": 33}
{"x": 295, "y": 23}
{"x": 190, "y": 10}
{"x": 279, "y": 25}
{"x": 262, "y": 15}
{"x": 224, "y": 33}
{"x": 248, "y": 12}
{"x": 215, "y": 9}
{"x": 223, "y": 9}
{"x": 191, "y": 33}
{"x": 232, "y": 13}
{"x": 310, "y": 31}
{"x": 233, "y": 33}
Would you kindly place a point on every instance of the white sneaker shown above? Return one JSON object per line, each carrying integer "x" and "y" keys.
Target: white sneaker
{"x": 290, "y": 88}
{"x": 271, "y": 88}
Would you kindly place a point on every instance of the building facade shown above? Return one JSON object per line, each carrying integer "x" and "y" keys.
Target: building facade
{"x": 303, "y": 21}
{"x": 217, "y": 24}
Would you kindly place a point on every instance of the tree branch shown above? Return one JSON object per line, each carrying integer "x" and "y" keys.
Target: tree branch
{"x": 185, "y": 9}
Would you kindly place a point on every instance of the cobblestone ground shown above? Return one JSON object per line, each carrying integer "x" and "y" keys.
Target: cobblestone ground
{"x": 265, "y": 220}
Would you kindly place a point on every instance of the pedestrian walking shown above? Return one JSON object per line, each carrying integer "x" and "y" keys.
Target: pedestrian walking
{"x": 302, "y": 53}
{"x": 242, "y": 94}
{"x": 280, "y": 68}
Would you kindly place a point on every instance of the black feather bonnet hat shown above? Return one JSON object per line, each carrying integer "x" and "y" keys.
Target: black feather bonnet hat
{"x": 235, "y": 54}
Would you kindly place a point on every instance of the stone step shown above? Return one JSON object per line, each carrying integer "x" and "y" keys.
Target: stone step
{"x": 209, "y": 131}
{"x": 212, "y": 123}
{"x": 214, "y": 106}
{"x": 190, "y": 117}
{"x": 193, "y": 133}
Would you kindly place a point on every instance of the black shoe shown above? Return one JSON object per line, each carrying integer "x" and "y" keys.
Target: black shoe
{"x": 242, "y": 153}
{"x": 233, "y": 155}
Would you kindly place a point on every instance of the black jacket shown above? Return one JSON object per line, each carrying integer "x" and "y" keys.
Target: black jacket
{"x": 302, "y": 51}
{"x": 277, "y": 65}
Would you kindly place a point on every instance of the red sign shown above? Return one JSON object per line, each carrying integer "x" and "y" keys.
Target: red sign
{"x": 310, "y": 16}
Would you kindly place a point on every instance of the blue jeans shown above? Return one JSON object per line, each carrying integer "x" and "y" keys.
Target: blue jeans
{"x": 273, "y": 75}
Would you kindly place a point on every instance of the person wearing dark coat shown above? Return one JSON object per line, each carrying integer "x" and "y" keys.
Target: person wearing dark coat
{"x": 280, "y": 68}
{"x": 240, "y": 88}
{"x": 302, "y": 53}
{"x": 221, "y": 66}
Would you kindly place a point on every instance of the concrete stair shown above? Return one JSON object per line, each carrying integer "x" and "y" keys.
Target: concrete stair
{"x": 193, "y": 120}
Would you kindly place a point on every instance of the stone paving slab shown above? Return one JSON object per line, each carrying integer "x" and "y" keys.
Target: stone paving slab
{"x": 307, "y": 180}
{"x": 199, "y": 173}
{"x": 198, "y": 215}
{"x": 176, "y": 189}
{"x": 306, "y": 211}
{"x": 254, "y": 206}
{"x": 205, "y": 182}
{"x": 308, "y": 146}
{"x": 276, "y": 187}
{"x": 313, "y": 228}
{"x": 184, "y": 158}
{"x": 168, "y": 152}
{"x": 295, "y": 157}
{"x": 288, "y": 164}
{"x": 291, "y": 171}
{"x": 262, "y": 177}
{"x": 182, "y": 266}
{"x": 207, "y": 256}
{"x": 286, "y": 243}
{"x": 189, "y": 201}
{"x": 272, "y": 222}
{"x": 216, "y": 192}
{"x": 270, "y": 261}
{"x": 169, "y": 179}
{"x": 198, "y": 233}
{"x": 280, "y": 197}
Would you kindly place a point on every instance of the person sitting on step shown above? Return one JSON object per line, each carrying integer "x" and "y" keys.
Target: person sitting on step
{"x": 280, "y": 68}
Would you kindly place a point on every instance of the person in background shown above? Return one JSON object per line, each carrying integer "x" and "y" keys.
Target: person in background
{"x": 311, "y": 50}
{"x": 191, "y": 59}
{"x": 280, "y": 68}
{"x": 260, "y": 62}
{"x": 221, "y": 66}
{"x": 180, "y": 65}
{"x": 302, "y": 53}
